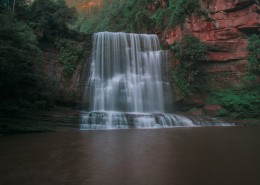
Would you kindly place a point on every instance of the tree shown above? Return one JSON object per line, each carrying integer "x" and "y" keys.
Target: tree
{"x": 50, "y": 19}
{"x": 21, "y": 82}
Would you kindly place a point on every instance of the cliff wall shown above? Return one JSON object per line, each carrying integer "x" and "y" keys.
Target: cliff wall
{"x": 69, "y": 91}
{"x": 231, "y": 22}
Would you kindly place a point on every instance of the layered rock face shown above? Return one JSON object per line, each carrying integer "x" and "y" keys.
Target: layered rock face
{"x": 231, "y": 22}
{"x": 69, "y": 90}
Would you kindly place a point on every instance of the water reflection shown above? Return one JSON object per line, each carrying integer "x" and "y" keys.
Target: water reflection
{"x": 212, "y": 156}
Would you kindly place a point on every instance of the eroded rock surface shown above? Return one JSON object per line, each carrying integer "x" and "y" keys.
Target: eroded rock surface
{"x": 227, "y": 32}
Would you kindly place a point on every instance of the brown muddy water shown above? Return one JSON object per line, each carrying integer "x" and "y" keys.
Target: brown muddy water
{"x": 177, "y": 156}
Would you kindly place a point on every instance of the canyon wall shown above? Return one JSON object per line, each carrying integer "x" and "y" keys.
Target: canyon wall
{"x": 231, "y": 21}
{"x": 69, "y": 91}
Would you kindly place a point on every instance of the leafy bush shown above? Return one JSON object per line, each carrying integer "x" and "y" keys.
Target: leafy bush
{"x": 32, "y": 24}
{"x": 134, "y": 16}
{"x": 254, "y": 56}
{"x": 179, "y": 9}
{"x": 50, "y": 19}
{"x": 128, "y": 16}
{"x": 237, "y": 100}
{"x": 179, "y": 79}
{"x": 22, "y": 85}
{"x": 190, "y": 53}
{"x": 158, "y": 17}
{"x": 244, "y": 101}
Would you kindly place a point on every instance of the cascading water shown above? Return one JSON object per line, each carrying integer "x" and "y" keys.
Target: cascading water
{"x": 126, "y": 85}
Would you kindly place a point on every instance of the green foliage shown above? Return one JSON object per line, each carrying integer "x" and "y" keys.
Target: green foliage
{"x": 71, "y": 53}
{"x": 243, "y": 101}
{"x": 135, "y": 16}
{"x": 237, "y": 100}
{"x": 32, "y": 25}
{"x": 22, "y": 85}
{"x": 179, "y": 78}
{"x": 190, "y": 53}
{"x": 190, "y": 49}
{"x": 5, "y": 4}
{"x": 91, "y": 24}
{"x": 158, "y": 17}
{"x": 254, "y": 56}
{"x": 128, "y": 16}
{"x": 179, "y": 9}
{"x": 50, "y": 19}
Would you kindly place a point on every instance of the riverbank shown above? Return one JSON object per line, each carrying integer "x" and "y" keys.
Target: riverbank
{"x": 44, "y": 121}
{"x": 60, "y": 118}
{"x": 244, "y": 121}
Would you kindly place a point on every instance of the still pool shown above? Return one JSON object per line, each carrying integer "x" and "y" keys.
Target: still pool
{"x": 177, "y": 156}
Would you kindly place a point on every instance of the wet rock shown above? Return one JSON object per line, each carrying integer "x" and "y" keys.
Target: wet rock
{"x": 212, "y": 110}
{"x": 185, "y": 104}
{"x": 197, "y": 112}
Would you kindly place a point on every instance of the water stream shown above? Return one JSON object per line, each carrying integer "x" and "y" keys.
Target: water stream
{"x": 128, "y": 85}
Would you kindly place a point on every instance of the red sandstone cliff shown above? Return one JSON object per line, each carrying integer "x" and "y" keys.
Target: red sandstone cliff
{"x": 232, "y": 21}
{"x": 227, "y": 33}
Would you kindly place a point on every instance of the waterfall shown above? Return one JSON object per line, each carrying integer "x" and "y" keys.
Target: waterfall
{"x": 127, "y": 86}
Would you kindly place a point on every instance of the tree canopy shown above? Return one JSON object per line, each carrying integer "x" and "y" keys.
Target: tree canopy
{"x": 22, "y": 34}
